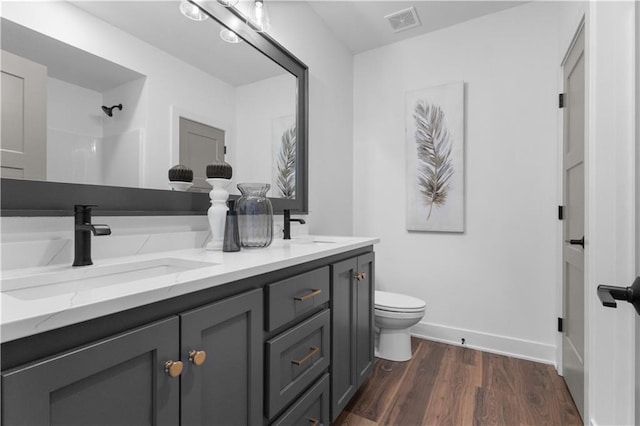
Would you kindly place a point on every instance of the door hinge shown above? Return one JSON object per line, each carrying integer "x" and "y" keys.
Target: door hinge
{"x": 225, "y": 149}
{"x": 560, "y": 325}
{"x": 561, "y": 100}
{"x": 560, "y": 212}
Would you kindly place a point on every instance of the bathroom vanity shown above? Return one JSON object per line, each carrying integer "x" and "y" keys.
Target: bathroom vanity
{"x": 282, "y": 335}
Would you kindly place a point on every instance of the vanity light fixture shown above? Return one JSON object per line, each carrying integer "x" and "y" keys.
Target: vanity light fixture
{"x": 229, "y": 36}
{"x": 259, "y": 17}
{"x": 192, "y": 11}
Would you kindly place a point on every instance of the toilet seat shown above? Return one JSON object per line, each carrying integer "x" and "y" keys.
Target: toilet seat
{"x": 394, "y": 316}
{"x": 393, "y": 302}
{"x": 417, "y": 315}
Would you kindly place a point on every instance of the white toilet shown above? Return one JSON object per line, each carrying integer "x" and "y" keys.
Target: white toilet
{"x": 394, "y": 315}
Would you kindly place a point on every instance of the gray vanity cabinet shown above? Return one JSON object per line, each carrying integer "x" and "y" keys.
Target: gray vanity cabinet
{"x": 290, "y": 347}
{"x": 352, "y": 324}
{"x": 124, "y": 379}
{"x": 226, "y": 388}
{"x": 116, "y": 381}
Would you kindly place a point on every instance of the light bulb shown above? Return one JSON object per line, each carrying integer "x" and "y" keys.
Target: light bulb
{"x": 228, "y": 3}
{"x": 192, "y": 11}
{"x": 229, "y": 36}
{"x": 259, "y": 16}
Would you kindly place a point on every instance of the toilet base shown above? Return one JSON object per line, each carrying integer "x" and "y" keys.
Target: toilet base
{"x": 394, "y": 345}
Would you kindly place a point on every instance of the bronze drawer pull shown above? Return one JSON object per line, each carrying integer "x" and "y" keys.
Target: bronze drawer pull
{"x": 313, "y": 422}
{"x": 361, "y": 276}
{"x": 307, "y": 357}
{"x": 309, "y": 295}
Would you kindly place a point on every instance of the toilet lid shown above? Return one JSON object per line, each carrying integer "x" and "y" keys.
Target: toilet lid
{"x": 397, "y": 302}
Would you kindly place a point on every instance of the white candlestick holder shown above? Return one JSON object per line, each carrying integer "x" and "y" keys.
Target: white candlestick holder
{"x": 217, "y": 213}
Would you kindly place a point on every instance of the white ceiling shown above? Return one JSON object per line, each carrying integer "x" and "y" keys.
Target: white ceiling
{"x": 358, "y": 24}
{"x": 361, "y": 26}
{"x": 88, "y": 71}
{"x": 161, "y": 24}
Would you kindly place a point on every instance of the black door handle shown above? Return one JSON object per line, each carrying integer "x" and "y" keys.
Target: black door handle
{"x": 608, "y": 295}
{"x": 579, "y": 242}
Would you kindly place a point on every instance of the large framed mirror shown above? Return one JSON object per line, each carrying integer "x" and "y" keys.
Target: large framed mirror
{"x": 134, "y": 88}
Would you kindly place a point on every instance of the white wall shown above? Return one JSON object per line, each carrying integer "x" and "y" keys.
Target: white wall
{"x": 74, "y": 129}
{"x": 73, "y": 108}
{"x": 84, "y": 145}
{"x": 123, "y": 145}
{"x": 257, "y": 106}
{"x": 494, "y": 284}
{"x": 301, "y": 31}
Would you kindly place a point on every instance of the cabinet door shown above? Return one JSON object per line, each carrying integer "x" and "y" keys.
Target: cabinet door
{"x": 23, "y": 108}
{"x": 344, "y": 380}
{"x": 352, "y": 322}
{"x": 226, "y": 389}
{"x": 364, "y": 316}
{"x": 116, "y": 381}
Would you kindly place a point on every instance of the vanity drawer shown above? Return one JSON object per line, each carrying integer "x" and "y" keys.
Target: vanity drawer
{"x": 296, "y": 295}
{"x": 295, "y": 359}
{"x": 312, "y": 408}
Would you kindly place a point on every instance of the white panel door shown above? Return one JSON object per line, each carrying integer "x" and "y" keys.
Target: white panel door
{"x": 200, "y": 145}
{"x": 24, "y": 118}
{"x": 573, "y": 252}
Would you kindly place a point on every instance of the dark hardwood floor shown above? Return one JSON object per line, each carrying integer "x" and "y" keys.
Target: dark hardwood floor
{"x": 453, "y": 385}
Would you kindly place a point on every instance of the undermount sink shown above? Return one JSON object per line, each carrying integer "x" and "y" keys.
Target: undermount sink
{"x": 95, "y": 276}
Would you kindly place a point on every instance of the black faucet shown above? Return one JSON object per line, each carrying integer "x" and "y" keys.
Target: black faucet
{"x": 83, "y": 230}
{"x": 287, "y": 224}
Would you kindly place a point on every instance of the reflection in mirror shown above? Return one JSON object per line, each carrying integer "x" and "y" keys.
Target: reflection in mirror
{"x": 92, "y": 55}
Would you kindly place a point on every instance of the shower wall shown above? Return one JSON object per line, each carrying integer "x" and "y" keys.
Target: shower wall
{"x": 83, "y": 144}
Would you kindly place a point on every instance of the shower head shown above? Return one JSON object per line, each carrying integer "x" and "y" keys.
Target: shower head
{"x": 109, "y": 110}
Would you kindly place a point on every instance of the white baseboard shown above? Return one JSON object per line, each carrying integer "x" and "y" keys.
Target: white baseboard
{"x": 502, "y": 345}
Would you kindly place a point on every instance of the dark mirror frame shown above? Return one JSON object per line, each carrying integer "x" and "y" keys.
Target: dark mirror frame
{"x": 35, "y": 198}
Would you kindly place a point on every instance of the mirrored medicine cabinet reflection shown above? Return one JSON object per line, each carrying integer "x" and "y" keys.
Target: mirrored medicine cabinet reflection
{"x": 174, "y": 89}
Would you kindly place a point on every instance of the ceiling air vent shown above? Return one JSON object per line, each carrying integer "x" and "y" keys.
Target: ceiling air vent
{"x": 403, "y": 19}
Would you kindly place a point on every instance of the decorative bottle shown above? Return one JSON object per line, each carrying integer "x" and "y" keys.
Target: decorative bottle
{"x": 255, "y": 215}
{"x": 231, "y": 234}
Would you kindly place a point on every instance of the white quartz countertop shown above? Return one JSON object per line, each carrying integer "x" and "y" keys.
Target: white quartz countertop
{"x": 33, "y": 310}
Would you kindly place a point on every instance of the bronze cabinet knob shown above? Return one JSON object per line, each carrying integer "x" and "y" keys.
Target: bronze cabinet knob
{"x": 197, "y": 357}
{"x": 173, "y": 368}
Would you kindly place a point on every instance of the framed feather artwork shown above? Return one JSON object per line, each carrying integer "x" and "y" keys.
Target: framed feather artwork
{"x": 283, "y": 137}
{"x": 435, "y": 158}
